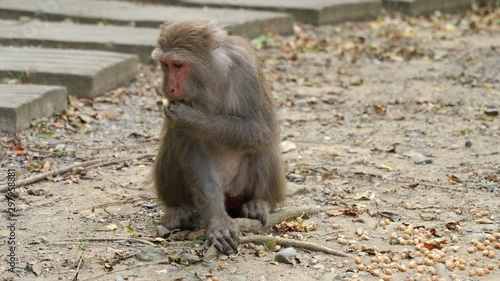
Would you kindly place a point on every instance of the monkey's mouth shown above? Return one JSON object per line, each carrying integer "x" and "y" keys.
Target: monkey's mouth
{"x": 182, "y": 100}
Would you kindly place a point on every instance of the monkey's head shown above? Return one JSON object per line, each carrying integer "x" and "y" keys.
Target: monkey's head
{"x": 185, "y": 53}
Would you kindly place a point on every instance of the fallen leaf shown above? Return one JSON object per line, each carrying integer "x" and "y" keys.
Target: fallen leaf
{"x": 111, "y": 226}
{"x": 392, "y": 216}
{"x": 193, "y": 235}
{"x": 367, "y": 195}
{"x": 46, "y": 134}
{"x": 413, "y": 184}
{"x": 128, "y": 228}
{"x": 47, "y": 166}
{"x": 385, "y": 167}
{"x": 85, "y": 118}
{"x": 270, "y": 244}
{"x": 20, "y": 150}
{"x": 453, "y": 179}
{"x": 37, "y": 269}
{"x": 379, "y": 109}
{"x": 487, "y": 85}
{"x": 435, "y": 243}
{"x": 485, "y": 221}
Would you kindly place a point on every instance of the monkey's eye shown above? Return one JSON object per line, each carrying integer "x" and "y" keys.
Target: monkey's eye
{"x": 178, "y": 65}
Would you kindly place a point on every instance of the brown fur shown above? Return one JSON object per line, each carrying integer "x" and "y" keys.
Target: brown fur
{"x": 221, "y": 140}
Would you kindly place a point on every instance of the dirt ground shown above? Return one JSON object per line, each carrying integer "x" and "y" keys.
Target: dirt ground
{"x": 392, "y": 123}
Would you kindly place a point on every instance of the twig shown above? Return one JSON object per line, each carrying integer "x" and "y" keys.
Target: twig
{"x": 117, "y": 203}
{"x": 262, "y": 239}
{"x": 94, "y": 148}
{"x": 135, "y": 240}
{"x": 75, "y": 278}
{"x": 88, "y": 164}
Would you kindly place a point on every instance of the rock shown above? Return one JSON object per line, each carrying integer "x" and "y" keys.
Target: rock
{"x": 211, "y": 253}
{"x": 476, "y": 236}
{"x": 286, "y": 256}
{"x": 150, "y": 205}
{"x": 338, "y": 276}
{"x": 162, "y": 231}
{"x": 190, "y": 258}
{"x": 355, "y": 81}
{"x": 295, "y": 177}
{"x": 223, "y": 257}
{"x": 418, "y": 158}
{"x": 491, "y": 112}
{"x": 442, "y": 271}
{"x": 412, "y": 131}
{"x": 468, "y": 143}
{"x": 313, "y": 100}
{"x": 295, "y": 189}
{"x": 151, "y": 254}
{"x": 238, "y": 278}
{"x": 301, "y": 102}
{"x": 119, "y": 278}
{"x": 287, "y": 146}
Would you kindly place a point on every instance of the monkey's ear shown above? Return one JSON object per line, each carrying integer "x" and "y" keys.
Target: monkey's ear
{"x": 217, "y": 34}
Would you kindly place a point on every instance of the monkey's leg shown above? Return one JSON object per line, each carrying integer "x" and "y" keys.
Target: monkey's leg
{"x": 267, "y": 187}
{"x": 180, "y": 212}
{"x": 201, "y": 175}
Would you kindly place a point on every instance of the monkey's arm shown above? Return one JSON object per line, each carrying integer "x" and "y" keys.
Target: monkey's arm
{"x": 233, "y": 131}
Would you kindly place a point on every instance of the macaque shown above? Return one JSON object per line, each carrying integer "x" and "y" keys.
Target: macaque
{"x": 219, "y": 155}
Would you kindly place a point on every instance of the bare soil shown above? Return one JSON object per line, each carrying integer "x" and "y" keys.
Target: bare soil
{"x": 392, "y": 123}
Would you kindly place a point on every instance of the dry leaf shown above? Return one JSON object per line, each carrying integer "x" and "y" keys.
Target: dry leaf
{"x": 453, "y": 179}
{"x": 379, "y": 109}
{"x": 19, "y": 150}
{"x": 385, "y": 167}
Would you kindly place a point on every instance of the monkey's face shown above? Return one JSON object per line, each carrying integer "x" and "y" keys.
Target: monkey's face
{"x": 176, "y": 74}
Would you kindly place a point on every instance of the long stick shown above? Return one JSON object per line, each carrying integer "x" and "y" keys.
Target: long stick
{"x": 262, "y": 239}
{"x": 94, "y": 163}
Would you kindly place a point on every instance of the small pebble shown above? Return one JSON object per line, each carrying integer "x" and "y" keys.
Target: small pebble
{"x": 286, "y": 256}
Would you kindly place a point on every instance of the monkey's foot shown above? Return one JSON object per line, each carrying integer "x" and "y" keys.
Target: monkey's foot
{"x": 182, "y": 217}
{"x": 222, "y": 233}
{"x": 256, "y": 209}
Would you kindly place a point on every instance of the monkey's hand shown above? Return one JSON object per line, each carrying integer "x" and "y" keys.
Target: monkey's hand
{"x": 221, "y": 233}
{"x": 179, "y": 113}
{"x": 256, "y": 209}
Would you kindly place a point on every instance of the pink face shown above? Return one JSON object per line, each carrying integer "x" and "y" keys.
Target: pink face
{"x": 177, "y": 73}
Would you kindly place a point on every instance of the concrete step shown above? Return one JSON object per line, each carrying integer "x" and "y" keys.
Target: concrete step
{"x": 139, "y": 41}
{"x": 83, "y": 73}
{"x": 19, "y": 104}
{"x": 425, "y": 7}
{"x": 312, "y": 12}
{"x": 246, "y": 23}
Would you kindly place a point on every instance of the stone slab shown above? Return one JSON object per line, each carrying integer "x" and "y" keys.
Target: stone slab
{"x": 425, "y": 7}
{"x": 312, "y": 12}
{"x": 19, "y": 104}
{"x": 239, "y": 22}
{"x": 139, "y": 41}
{"x": 83, "y": 73}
